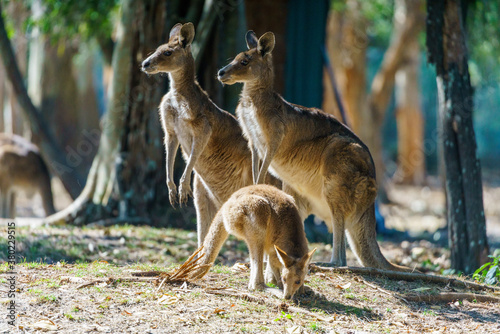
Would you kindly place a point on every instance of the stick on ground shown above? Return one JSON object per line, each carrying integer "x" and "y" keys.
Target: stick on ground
{"x": 405, "y": 276}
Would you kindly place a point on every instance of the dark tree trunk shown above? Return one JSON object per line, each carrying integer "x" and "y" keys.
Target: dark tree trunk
{"x": 263, "y": 16}
{"x": 447, "y": 50}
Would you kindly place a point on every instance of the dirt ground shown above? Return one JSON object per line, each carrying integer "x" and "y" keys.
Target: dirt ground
{"x": 57, "y": 262}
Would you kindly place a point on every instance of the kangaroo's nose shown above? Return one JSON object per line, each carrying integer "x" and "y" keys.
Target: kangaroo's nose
{"x": 146, "y": 64}
{"x": 221, "y": 72}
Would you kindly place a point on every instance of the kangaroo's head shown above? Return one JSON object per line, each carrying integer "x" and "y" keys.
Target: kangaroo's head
{"x": 249, "y": 65}
{"x": 173, "y": 55}
{"x": 293, "y": 272}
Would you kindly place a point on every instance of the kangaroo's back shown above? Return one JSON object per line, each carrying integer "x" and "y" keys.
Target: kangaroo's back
{"x": 22, "y": 168}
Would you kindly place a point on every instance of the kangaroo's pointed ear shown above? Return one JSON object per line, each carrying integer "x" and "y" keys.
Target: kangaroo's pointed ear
{"x": 266, "y": 43}
{"x": 186, "y": 35}
{"x": 285, "y": 260}
{"x": 174, "y": 32}
{"x": 251, "y": 39}
{"x": 307, "y": 258}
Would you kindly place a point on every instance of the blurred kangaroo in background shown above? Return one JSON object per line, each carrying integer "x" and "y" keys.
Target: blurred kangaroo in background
{"x": 269, "y": 222}
{"x": 210, "y": 138}
{"x": 22, "y": 168}
{"x": 315, "y": 154}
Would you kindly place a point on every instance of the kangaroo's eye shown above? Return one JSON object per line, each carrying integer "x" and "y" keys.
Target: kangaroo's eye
{"x": 297, "y": 282}
{"x": 244, "y": 62}
{"x": 167, "y": 53}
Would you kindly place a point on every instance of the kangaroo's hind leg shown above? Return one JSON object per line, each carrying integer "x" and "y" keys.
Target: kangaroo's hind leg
{"x": 205, "y": 207}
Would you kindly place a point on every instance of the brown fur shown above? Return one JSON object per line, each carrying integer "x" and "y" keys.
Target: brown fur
{"x": 210, "y": 138}
{"x": 269, "y": 222}
{"x": 311, "y": 151}
{"x": 22, "y": 168}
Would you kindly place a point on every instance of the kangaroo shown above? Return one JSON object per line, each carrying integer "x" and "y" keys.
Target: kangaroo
{"x": 268, "y": 220}
{"x": 22, "y": 168}
{"x": 312, "y": 152}
{"x": 211, "y": 140}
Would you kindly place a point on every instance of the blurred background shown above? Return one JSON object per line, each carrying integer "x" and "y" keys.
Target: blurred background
{"x": 80, "y": 62}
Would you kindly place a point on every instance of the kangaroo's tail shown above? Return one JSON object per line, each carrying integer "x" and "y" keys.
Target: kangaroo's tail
{"x": 362, "y": 238}
{"x": 212, "y": 244}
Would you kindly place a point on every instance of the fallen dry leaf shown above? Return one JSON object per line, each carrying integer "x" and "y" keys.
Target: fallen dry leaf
{"x": 239, "y": 267}
{"x": 344, "y": 287}
{"x": 167, "y": 300}
{"x": 45, "y": 325}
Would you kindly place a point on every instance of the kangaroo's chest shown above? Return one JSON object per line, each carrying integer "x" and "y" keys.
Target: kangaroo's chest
{"x": 179, "y": 118}
{"x": 252, "y": 127}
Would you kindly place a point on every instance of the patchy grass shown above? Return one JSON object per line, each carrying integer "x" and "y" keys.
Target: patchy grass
{"x": 46, "y": 291}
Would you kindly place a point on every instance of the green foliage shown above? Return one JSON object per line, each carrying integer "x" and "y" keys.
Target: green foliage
{"x": 70, "y": 18}
{"x": 378, "y": 15}
{"x": 489, "y": 273}
{"x": 484, "y": 40}
{"x": 283, "y": 316}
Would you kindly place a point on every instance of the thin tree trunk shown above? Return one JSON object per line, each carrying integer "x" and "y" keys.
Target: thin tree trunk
{"x": 41, "y": 132}
{"x": 2, "y": 98}
{"x": 347, "y": 43}
{"x": 465, "y": 213}
{"x": 410, "y": 124}
{"x": 383, "y": 83}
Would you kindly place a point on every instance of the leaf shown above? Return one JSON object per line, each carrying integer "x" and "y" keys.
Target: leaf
{"x": 239, "y": 267}
{"x": 125, "y": 312}
{"x": 491, "y": 275}
{"x": 295, "y": 330}
{"x": 46, "y": 325}
{"x": 167, "y": 300}
{"x": 478, "y": 271}
{"x": 344, "y": 287}
{"x": 421, "y": 289}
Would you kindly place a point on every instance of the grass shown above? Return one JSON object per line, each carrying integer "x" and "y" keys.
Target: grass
{"x": 360, "y": 307}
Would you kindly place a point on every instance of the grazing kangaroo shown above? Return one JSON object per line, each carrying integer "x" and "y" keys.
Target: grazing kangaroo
{"x": 210, "y": 138}
{"x": 22, "y": 168}
{"x": 312, "y": 152}
{"x": 269, "y": 222}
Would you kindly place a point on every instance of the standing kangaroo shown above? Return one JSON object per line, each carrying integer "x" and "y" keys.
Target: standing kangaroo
{"x": 269, "y": 222}
{"x": 210, "y": 138}
{"x": 311, "y": 151}
{"x": 22, "y": 168}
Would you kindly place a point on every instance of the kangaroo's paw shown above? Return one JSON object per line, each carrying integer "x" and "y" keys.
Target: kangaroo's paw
{"x": 256, "y": 286}
{"x": 184, "y": 193}
{"x": 305, "y": 290}
{"x": 172, "y": 195}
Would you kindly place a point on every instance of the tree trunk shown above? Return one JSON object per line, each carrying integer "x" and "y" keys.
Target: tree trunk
{"x": 347, "y": 43}
{"x": 258, "y": 13}
{"x": 40, "y": 130}
{"x": 410, "y": 124}
{"x": 126, "y": 182}
{"x": 465, "y": 214}
{"x": 2, "y": 98}
{"x": 383, "y": 83}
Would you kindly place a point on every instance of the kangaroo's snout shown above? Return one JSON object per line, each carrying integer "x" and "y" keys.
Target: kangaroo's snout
{"x": 221, "y": 72}
{"x": 146, "y": 65}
